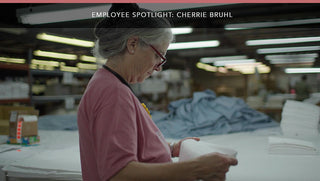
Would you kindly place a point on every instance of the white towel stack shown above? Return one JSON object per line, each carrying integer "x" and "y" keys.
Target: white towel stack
{"x": 280, "y": 145}
{"x": 300, "y": 119}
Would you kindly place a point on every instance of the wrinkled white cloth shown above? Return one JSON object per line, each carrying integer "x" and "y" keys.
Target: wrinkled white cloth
{"x": 191, "y": 149}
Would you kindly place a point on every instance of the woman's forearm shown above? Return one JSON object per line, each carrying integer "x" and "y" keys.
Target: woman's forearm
{"x": 184, "y": 171}
{"x": 207, "y": 167}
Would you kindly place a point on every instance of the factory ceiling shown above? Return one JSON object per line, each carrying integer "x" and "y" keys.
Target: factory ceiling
{"x": 287, "y": 21}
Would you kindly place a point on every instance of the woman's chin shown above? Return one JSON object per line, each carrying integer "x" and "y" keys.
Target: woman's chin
{"x": 146, "y": 77}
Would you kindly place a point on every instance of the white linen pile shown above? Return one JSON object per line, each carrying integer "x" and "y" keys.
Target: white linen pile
{"x": 191, "y": 149}
{"x": 282, "y": 145}
{"x": 300, "y": 119}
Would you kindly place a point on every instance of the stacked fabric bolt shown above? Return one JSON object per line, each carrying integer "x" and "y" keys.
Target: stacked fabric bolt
{"x": 300, "y": 119}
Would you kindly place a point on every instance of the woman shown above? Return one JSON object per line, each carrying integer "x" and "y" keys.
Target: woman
{"x": 302, "y": 89}
{"x": 118, "y": 139}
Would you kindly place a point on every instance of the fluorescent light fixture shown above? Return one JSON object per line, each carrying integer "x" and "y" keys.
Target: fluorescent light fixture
{"x": 301, "y": 70}
{"x": 253, "y": 68}
{"x": 232, "y": 62}
{"x": 222, "y": 70}
{"x": 182, "y": 30}
{"x": 287, "y": 49}
{"x": 33, "y": 66}
{"x": 295, "y": 65}
{"x": 290, "y": 62}
{"x": 69, "y": 69}
{"x": 87, "y": 66}
{"x": 282, "y": 41}
{"x": 246, "y": 68}
{"x": 242, "y": 26}
{"x": 213, "y": 59}
{"x": 262, "y": 69}
{"x": 44, "y": 67}
{"x": 62, "y": 15}
{"x": 250, "y": 68}
{"x": 55, "y": 55}
{"x": 65, "y": 40}
{"x": 49, "y": 68}
{"x": 291, "y": 56}
{"x": 286, "y": 61}
{"x": 12, "y": 60}
{"x": 195, "y": 44}
{"x": 86, "y": 58}
{"x": 243, "y": 65}
{"x": 45, "y": 62}
{"x": 206, "y": 67}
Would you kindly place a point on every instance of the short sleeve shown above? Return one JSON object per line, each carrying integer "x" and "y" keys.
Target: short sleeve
{"x": 115, "y": 135}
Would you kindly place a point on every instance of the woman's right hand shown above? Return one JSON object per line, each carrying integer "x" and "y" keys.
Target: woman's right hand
{"x": 214, "y": 166}
{"x": 209, "y": 167}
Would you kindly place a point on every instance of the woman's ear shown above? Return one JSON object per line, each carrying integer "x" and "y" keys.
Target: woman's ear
{"x": 132, "y": 44}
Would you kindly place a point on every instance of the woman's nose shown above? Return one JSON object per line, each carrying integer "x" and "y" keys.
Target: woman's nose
{"x": 158, "y": 68}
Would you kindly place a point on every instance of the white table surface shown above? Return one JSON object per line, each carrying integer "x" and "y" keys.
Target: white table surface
{"x": 256, "y": 164}
{"x": 57, "y": 156}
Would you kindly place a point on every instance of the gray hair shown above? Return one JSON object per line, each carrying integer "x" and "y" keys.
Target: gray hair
{"x": 113, "y": 41}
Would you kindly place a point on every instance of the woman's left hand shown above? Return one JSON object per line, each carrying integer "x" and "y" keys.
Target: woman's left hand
{"x": 176, "y": 147}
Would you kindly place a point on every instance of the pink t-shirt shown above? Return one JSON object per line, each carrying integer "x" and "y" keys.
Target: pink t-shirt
{"x": 115, "y": 129}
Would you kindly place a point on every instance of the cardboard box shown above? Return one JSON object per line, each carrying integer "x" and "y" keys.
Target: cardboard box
{"x": 23, "y": 123}
{"x": 5, "y": 113}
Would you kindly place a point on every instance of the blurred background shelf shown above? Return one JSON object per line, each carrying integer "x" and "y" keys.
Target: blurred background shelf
{"x": 57, "y": 98}
{"x": 7, "y": 66}
{"x": 57, "y": 73}
{"x": 23, "y": 100}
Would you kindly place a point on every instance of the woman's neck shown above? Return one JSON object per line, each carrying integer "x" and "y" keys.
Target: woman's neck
{"x": 119, "y": 67}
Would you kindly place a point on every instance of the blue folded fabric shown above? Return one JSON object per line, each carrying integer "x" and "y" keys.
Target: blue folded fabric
{"x": 58, "y": 122}
{"x": 207, "y": 114}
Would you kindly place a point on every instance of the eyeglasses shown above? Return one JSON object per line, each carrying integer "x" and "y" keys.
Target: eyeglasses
{"x": 164, "y": 60}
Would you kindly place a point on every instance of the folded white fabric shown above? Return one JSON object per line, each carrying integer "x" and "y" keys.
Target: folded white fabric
{"x": 300, "y": 123}
{"x": 191, "y": 149}
{"x": 302, "y": 105}
{"x": 287, "y": 146}
{"x": 300, "y": 119}
{"x": 296, "y": 110}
